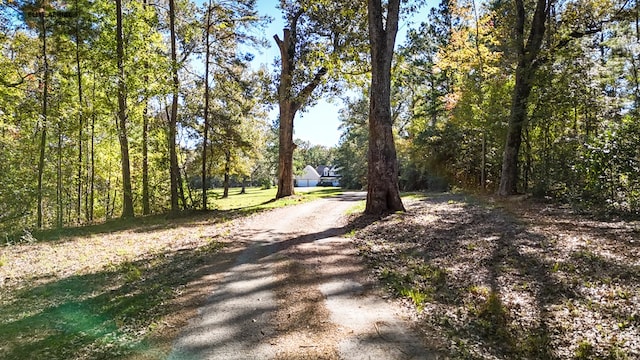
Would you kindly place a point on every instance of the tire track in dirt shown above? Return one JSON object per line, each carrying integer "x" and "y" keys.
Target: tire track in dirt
{"x": 298, "y": 291}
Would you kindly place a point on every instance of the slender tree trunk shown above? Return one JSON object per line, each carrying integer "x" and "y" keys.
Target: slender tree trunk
{"x": 43, "y": 117}
{"x": 383, "y": 193}
{"x": 527, "y": 65}
{"x": 146, "y": 206}
{"x": 205, "y": 131}
{"x": 93, "y": 156}
{"x": 107, "y": 201}
{"x": 227, "y": 163}
{"x": 289, "y": 104}
{"x": 244, "y": 185}
{"x": 480, "y": 90}
{"x": 59, "y": 205}
{"x": 173, "y": 118}
{"x": 80, "y": 115}
{"x": 127, "y": 196}
{"x": 483, "y": 170}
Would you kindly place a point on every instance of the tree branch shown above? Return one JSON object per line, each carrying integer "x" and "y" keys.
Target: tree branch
{"x": 306, "y": 92}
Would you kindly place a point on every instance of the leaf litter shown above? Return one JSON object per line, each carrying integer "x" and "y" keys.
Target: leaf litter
{"x": 500, "y": 280}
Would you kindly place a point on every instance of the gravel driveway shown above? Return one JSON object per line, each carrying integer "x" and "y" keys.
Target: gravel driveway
{"x": 298, "y": 291}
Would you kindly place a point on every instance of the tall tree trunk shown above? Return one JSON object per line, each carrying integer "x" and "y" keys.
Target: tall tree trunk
{"x": 146, "y": 206}
{"x": 527, "y": 65}
{"x": 289, "y": 104}
{"x": 285, "y": 152}
{"x": 173, "y": 118}
{"x": 43, "y": 116}
{"x": 383, "y": 193}
{"x": 146, "y": 203}
{"x": 80, "y": 115}
{"x": 92, "y": 179}
{"x": 205, "y": 130}
{"x": 59, "y": 205}
{"x": 127, "y": 196}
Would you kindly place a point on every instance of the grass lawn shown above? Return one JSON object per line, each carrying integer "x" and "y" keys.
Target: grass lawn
{"x": 105, "y": 291}
{"x": 259, "y": 199}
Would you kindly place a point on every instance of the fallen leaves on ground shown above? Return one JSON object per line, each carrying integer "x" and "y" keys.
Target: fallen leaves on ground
{"x": 525, "y": 280}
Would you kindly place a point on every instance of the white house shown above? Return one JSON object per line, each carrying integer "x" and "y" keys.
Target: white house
{"x": 329, "y": 175}
{"x": 309, "y": 177}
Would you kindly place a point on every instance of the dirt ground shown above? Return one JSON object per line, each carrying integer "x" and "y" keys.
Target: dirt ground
{"x": 455, "y": 277}
{"x": 490, "y": 279}
{"x": 298, "y": 291}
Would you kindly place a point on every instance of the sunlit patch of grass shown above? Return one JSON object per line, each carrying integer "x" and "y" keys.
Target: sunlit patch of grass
{"x": 103, "y": 301}
{"x": 584, "y": 350}
{"x": 260, "y": 199}
{"x": 105, "y": 314}
{"x": 418, "y": 282}
{"x": 358, "y": 208}
{"x": 415, "y": 195}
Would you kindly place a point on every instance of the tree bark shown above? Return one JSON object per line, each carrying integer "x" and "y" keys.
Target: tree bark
{"x": 43, "y": 118}
{"x": 93, "y": 166}
{"x": 383, "y": 193}
{"x": 127, "y": 196}
{"x": 527, "y": 55}
{"x": 289, "y": 104}
{"x": 59, "y": 205}
{"x": 146, "y": 206}
{"x": 80, "y": 115}
{"x": 227, "y": 169}
{"x": 173, "y": 118}
{"x": 205, "y": 131}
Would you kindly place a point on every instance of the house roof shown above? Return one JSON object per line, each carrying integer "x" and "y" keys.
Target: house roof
{"x": 309, "y": 173}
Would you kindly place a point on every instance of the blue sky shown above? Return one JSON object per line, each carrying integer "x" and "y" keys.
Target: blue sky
{"x": 319, "y": 124}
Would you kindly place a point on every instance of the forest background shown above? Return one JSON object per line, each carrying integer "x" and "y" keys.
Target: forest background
{"x": 91, "y": 90}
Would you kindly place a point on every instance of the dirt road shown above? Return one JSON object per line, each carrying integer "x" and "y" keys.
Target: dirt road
{"x": 298, "y": 291}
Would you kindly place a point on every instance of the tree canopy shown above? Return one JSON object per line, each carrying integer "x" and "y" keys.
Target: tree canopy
{"x": 526, "y": 96}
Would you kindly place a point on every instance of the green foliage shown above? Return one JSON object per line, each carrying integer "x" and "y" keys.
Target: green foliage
{"x": 420, "y": 282}
{"x": 81, "y": 149}
{"x": 584, "y": 350}
{"x": 351, "y": 154}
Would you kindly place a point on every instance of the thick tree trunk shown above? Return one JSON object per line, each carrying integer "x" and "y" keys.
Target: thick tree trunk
{"x": 289, "y": 104}
{"x": 173, "y": 118}
{"x": 525, "y": 71}
{"x": 285, "y": 153}
{"x": 383, "y": 193}
{"x": 509, "y": 176}
{"x": 127, "y": 196}
{"x": 43, "y": 125}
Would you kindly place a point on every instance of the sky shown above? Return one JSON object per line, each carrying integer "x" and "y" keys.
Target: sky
{"x": 318, "y": 124}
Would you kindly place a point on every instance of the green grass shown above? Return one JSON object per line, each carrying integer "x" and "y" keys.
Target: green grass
{"x": 358, "y": 208}
{"x": 260, "y": 199}
{"x": 110, "y": 312}
{"x": 101, "y": 315}
{"x": 254, "y": 200}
